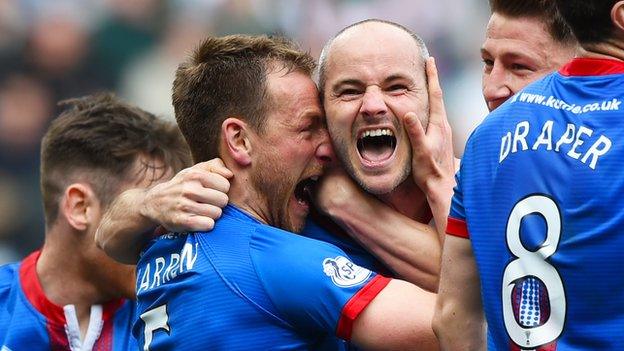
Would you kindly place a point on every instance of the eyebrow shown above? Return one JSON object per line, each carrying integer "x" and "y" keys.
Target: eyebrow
{"x": 396, "y": 76}
{"x": 512, "y": 55}
{"x": 352, "y": 81}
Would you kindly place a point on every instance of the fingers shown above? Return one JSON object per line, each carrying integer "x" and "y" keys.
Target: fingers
{"x": 196, "y": 224}
{"x": 207, "y": 179}
{"x": 208, "y": 196}
{"x": 415, "y": 130}
{"x": 215, "y": 165}
{"x": 193, "y": 216}
{"x": 198, "y": 217}
{"x": 437, "y": 113}
{"x": 202, "y": 210}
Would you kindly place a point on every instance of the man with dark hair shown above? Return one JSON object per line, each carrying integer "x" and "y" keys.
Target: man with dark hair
{"x": 69, "y": 294}
{"x": 525, "y": 40}
{"x": 538, "y": 196}
{"x": 251, "y": 282}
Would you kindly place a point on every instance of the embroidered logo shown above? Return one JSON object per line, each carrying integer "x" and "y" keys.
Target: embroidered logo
{"x": 343, "y": 272}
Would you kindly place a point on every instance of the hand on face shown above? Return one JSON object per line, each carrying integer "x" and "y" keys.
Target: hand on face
{"x": 192, "y": 200}
{"x": 433, "y": 162}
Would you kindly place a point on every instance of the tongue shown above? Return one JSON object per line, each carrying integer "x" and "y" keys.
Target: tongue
{"x": 375, "y": 152}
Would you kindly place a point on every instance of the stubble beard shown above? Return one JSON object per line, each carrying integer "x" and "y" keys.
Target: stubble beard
{"x": 274, "y": 186}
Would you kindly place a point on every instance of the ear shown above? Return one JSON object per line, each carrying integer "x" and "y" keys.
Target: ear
{"x": 77, "y": 205}
{"x": 237, "y": 136}
{"x": 617, "y": 15}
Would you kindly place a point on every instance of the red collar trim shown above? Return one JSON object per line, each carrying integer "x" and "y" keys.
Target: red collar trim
{"x": 592, "y": 67}
{"x": 34, "y": 292}
{"x": 36, "y": 296}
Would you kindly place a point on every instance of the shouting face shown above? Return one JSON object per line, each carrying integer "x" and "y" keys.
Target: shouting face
{"x": 290, "y": 150}
{"x": 374, "y": 75}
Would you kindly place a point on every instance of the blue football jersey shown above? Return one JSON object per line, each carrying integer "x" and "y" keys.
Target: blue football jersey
{"x": 29, "y": 321}
{"x": 539, "y": 196}
{"x": 246, "y": 285}
{"x": 324, "y": 229}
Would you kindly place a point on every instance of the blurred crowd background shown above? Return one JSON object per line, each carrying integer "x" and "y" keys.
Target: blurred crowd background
{"x": 52, "y": 50}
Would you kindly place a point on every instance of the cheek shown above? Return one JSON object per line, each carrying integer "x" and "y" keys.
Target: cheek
{"x": 338, "y": 123}
{"x": 340, "y": 113}
{"x": 520, "y": 82}
{"x": 400, "y": 105}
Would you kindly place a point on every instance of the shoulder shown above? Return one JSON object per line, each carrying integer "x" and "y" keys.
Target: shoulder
{"x": 283, "y": 256}
{"x": 283, "y": 244}
{"x": 9, "y": 274}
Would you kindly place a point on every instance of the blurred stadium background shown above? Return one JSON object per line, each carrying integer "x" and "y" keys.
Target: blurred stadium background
{"x": 55, "y": 49}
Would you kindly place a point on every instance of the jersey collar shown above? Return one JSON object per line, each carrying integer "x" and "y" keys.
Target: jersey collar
{"x": 36, "y": 296}
{"x": 592, "y": 67}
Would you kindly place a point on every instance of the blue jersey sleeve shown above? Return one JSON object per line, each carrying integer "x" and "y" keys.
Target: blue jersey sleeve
{"x": 313, "y": 284}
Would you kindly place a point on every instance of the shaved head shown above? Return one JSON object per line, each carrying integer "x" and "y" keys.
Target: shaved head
{"x": 323, "y": 59}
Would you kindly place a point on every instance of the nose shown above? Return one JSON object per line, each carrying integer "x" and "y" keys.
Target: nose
{"x": 496, "y": 86}
{"x": 325, "y": 151}
{"x": 373, "y": 103}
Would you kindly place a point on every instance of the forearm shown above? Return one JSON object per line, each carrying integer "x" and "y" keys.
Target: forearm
{"x": 458, "y": 321}
{"x": 439, "y": 197}
{"x": 409, "y": 248}
{"x": 459, "y": 328}
{"x": 399, "y": 318}
{"x": 124, "y": 230}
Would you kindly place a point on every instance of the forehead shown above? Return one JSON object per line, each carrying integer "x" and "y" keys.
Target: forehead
{"x": 373, "y": 49}
{"x": 522, "y": 35}
{"x": 293, "y": 92}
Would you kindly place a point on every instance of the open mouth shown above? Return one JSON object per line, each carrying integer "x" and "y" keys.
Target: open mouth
{"x": 376, "y": 145}
{"x": 305, "y": 189}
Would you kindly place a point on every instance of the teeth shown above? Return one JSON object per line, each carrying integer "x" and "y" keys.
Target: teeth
{"x": 377, "y": 132}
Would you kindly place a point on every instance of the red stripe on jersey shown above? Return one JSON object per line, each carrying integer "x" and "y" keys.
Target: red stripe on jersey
{"x": 54, "y": 314}
{"x": 105, "y": 341}
{"x": 357, "y": 304}
{"x": 457, "y": 227}
{"x": 585, "y": 66}
{"x": 548, "y": 347}
{"x": 34, "y": 292}
{"x": 55, "y": 317}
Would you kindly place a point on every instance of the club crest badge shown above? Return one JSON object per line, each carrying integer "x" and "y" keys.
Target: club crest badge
{"x": 343, "y": 272}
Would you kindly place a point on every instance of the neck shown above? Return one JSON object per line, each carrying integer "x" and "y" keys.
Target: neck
{"x": 66, "y": 273}
{"x": 409, "y": 200}
{"x": 242, "y": 197}
{"x": 611, "y": 49}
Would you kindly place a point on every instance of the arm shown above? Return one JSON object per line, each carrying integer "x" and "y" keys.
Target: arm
{"x": 433, "y": 162}
{"x": 399, "y": 318}
{"x": 190, "y": 201}
{"x": 409, "y": 248}
{"x": 459, "y": 322}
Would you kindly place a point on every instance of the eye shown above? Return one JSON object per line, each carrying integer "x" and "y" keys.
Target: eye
{"x": 488, "y": 63}
{"x": 397, "y": 87}
{"x": 306, "y": 128}
{"x": 520, "y": 67}
{"x": 348, "y": 92}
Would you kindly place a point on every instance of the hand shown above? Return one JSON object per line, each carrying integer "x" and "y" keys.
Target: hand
{"x": 433, "y": 162}
{"x": 192, "y": 200}
{"x": 336, "y": 190}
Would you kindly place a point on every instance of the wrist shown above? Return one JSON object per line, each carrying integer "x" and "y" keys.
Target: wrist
{"x": 439, "y": 190}
{"x": 143, "y": 201}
